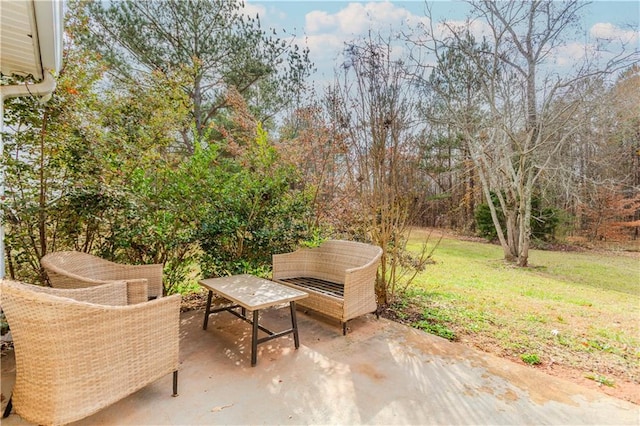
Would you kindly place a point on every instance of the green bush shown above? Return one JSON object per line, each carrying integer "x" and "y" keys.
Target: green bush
{"x": 435, "y": 321}
{"x": 437, "y": 329}
{"x": 484, "y": 222}
{"x": 544, "y": 220}
{"x": 251, "y": 212}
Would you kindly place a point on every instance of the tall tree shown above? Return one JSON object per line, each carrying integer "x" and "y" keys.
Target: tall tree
{"x": 312, "y": 142}
{"x": 451, "y": 100}
{"x": 211, "y": 41}
{"x": 520, "y": 130}
{"x": 374, "y": 111}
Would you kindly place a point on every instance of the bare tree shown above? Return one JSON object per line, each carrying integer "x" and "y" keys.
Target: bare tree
{"x": 314, "y": 145}
{"x": 372, "y": 107}
{"x": 519, "y": 128}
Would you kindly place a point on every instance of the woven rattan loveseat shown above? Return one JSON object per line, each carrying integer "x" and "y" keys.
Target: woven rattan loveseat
{"x": 338, "y": 275}
{"x": 74, "y": 269}
{"x": 80, "y": 350}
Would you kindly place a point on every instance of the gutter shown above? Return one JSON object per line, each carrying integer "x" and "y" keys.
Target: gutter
{"x": 44, "y": 89}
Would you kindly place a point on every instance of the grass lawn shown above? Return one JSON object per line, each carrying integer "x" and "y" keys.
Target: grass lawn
{"x": 576, "y": 314}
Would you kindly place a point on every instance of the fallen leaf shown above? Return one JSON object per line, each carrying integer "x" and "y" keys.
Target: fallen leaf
{"x": 220, "y": 408}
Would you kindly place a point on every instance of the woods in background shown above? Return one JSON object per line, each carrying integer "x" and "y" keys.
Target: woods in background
{"x": 184, "y": 133}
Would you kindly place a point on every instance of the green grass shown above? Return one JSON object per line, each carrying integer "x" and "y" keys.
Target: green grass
{"x": 531, "y": 359}
{"x": 601, "y": 379}
{"x": 579, "y": 309}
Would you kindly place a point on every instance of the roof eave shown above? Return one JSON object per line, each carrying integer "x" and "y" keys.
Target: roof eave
{"x": 31, "y": 37}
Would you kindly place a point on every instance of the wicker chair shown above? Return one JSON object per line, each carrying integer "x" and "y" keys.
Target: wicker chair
{"x": 78, "y": 351}
{"x": 74, "y": 269}
{"x": 338, "y": 275}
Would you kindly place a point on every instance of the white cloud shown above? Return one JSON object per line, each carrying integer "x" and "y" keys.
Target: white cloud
{"x": 611, "y": 32}
{"x": 602, "y": 35}
{"x": 325, "y": 47}
{"x": 327, "y": 33}
{"x": 325, "y": 27}
{"x": 357, "y": 18}
{"x": 252, "y": 9}
{"x": 571, "y": 53}
{"x": 318, "y": 21}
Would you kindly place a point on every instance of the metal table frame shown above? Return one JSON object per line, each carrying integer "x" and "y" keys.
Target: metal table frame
{"x": 254, "y": 319}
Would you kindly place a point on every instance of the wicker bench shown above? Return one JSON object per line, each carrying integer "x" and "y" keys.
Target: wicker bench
{"x": 338, "y": 275}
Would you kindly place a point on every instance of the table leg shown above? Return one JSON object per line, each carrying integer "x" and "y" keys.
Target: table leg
{"x": 207, "y": 310}
{"x": 8, "y": 408}
{"x": 254, "y": 339}
{"x": 294, "y": 323}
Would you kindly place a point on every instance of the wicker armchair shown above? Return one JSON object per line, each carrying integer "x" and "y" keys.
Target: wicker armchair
{"x": 75, "y": 356}
{"x": 73, "y": 269}
{"x": 338, "y": 275}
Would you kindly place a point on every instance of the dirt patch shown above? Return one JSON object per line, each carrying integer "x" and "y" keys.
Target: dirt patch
{"x": 410, "y": 313}
{"x": 193, "y": 301}
{"x": 622, "y": 388}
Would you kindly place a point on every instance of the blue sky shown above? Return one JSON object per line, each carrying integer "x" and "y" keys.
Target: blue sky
{"x": 324, "y": 26}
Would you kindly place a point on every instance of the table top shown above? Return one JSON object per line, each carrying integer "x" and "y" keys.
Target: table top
{"x": 252, "y": 292}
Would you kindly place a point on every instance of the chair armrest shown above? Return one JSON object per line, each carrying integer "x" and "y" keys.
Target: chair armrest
{"x": 152, "y": 273}
{"x": 66, "y": 279}
{"x": 137, "y": 291}
{"x": 359, "y": 288}
{"x": 373, "y": 263}
{"x": 288, "y": 265}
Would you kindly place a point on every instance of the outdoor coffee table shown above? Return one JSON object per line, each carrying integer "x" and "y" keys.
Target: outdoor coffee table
{"x": 249, "y": 292}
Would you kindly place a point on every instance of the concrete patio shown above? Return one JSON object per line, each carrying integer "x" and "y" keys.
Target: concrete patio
{"x": 380, "y": 373}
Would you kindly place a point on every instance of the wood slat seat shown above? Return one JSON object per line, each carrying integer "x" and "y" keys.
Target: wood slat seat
{"x": 321, "y": 286}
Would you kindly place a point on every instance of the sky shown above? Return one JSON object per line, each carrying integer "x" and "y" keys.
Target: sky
{"x": 324, "y": 26}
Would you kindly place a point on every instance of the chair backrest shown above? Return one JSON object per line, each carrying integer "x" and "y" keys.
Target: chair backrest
{"x": 113, "y": 293}
{"x": 72, "y": 269}
{"x": 333, "y": 257}
{"x": 40, "y": 323}
{"x": 78, "y": 263}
